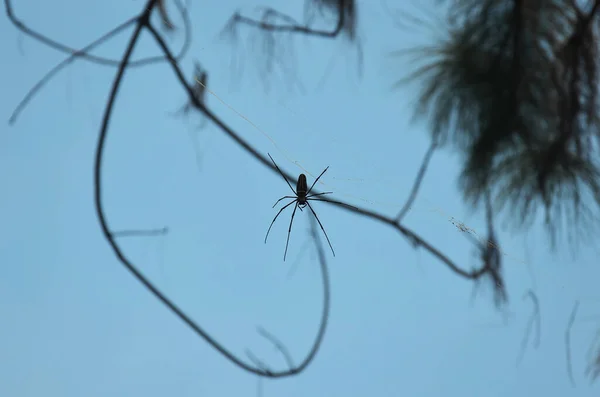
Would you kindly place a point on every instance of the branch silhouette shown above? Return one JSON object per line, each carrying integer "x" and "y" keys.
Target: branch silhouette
{"x": 568, "y": 343}
{"x": 275, "y": 23}
{"x": 144, "y": 22}
{"x": 278, "y": 345}
{"x": 83, "y": 53}
{"x": 418, "y": 180}
{"x": 141, "y": 22}
{"x": 141, "y": 233}
{"x": 534, "y": 319}
{"x": 291, "y": 27}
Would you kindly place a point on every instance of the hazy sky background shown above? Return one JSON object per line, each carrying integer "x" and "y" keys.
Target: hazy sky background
{"x": 74, "y": 322}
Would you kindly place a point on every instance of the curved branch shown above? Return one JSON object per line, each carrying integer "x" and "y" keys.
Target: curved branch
{"x": 83, "y": 53}
{"x": 568, "y": 343}
{"x": 536, "y": 306}
{"x": 63, "y": 48}
{"x": 278, "y": 345}
{"x": 143, "y": 21}
{"x": 141, "y": 233}
{"x": 534, "y": 319}
{"x": 322, "y": 326}
{"x": 418, "y": 180}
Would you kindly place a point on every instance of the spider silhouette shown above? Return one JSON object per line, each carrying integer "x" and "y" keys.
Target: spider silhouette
{"x": 301, "y": 198}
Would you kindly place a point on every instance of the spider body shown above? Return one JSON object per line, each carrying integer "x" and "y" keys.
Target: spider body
{"x": 301, "y": 191}
{"x": 301, "y": 199}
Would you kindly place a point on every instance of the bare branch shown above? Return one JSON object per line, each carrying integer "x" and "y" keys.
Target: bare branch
{"x": 593, "y": 368}
{"x": 199, "y": 82}
{"x": 534, "y": 319}
{"x": 258, "y": 362}
{"x": 83, "y": 53}
{"x": 144, "y": 22}
{"x": 141, "y": 233}
{"x": 273, "y": 25}
{"x": 290, "y": 26}
{"x": 164, "y": 15}
{"x": 568, "y": 343}
{"x": 278, "y": 345}
{"x": 418, "y": 180}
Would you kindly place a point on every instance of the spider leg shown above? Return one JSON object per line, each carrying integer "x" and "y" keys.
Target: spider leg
{"x": 290, "y": 231}
{"x": 319, "y": 177}
{"x": 282, "y": 208}
{"x": 317, "y": 194}
{"x": 284, "y": 197}
{"x": 337, "y": 202}
{"x": 320, "y": 224}
{"x": 283, "y": 176}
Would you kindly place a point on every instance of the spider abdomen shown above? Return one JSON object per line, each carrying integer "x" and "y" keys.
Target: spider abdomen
{"x": 301, "y": 187}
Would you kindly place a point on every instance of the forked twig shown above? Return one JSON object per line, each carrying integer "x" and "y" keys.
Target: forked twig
{"x": 278, "y": 345}
{"x": 83, "y": 53}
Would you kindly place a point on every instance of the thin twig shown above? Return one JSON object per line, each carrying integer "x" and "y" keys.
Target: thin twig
{"x": 418, "y": 181}
{"x": 290, "y": 27}
{"x": 259, "y": 388}
{"x": 83, "y": 53}
{"x": 538, "y": 331}
{"x": 568, "y": 343}
{"x": 534, "y": 319}
{"x": 48, "y": 76}
{"x": 141, "y": 233}
{"x": 294, "y": 266}
{"x": 593, "y": 367}
{"x": 70, "y": 50}
{"x": 258, "y": 362}
{"x": 278, "y": 345}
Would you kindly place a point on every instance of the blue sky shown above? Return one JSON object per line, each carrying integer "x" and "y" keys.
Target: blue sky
{"x": 76, "y": 323}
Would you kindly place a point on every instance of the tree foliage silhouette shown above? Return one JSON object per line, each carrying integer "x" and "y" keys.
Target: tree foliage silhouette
{"x": 513, "y": 86}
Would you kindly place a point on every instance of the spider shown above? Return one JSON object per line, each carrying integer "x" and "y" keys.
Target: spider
{"x": 301, "y": 198}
